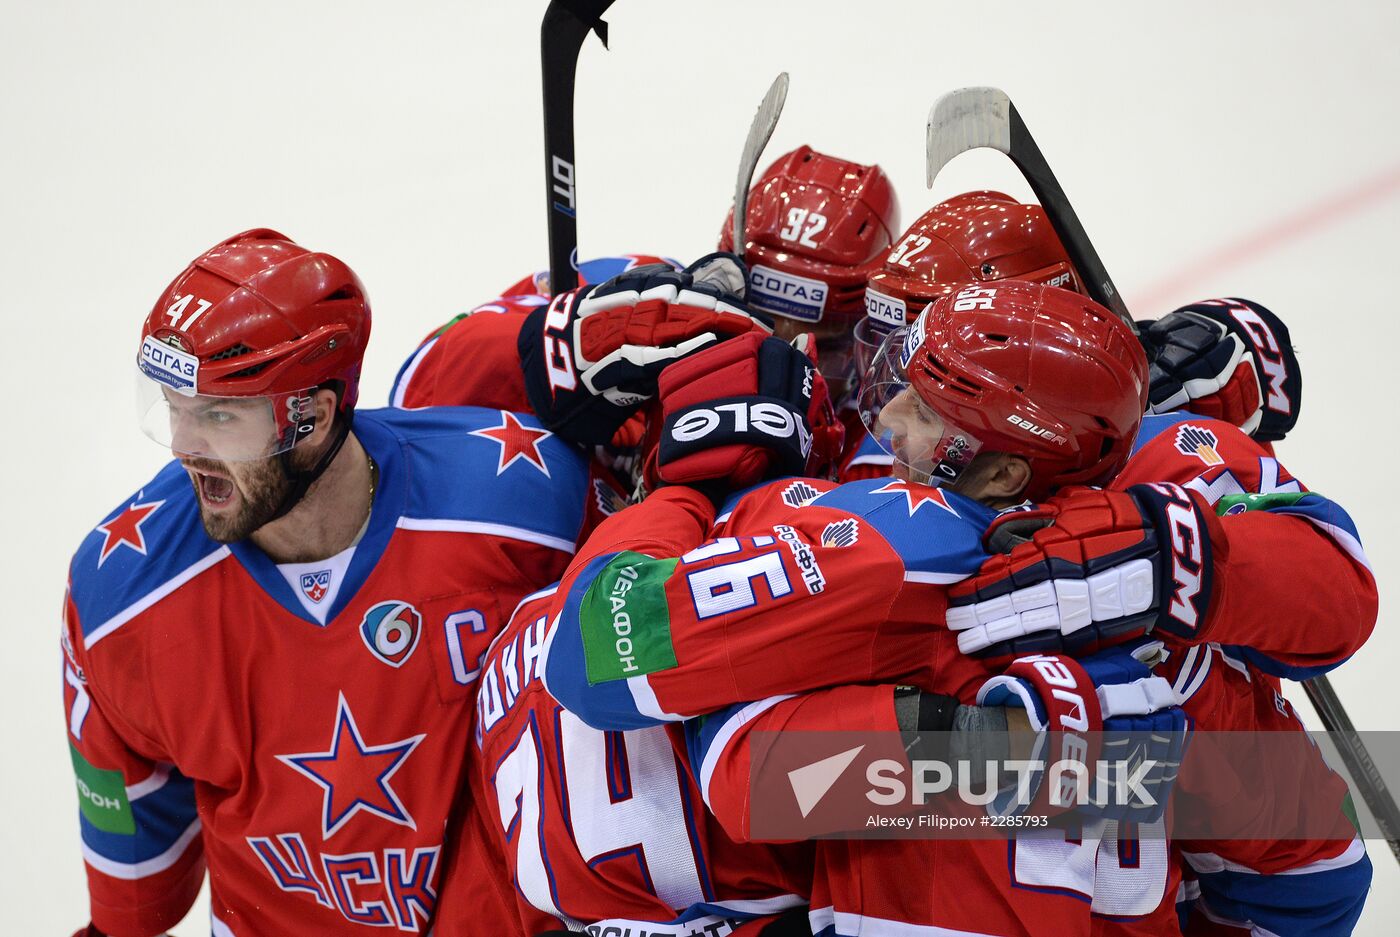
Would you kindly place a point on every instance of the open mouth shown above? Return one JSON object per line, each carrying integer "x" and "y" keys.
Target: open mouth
{"x": 215, "y": 491}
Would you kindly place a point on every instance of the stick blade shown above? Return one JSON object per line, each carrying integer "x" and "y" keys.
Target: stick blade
{"x": 966, "y": 119}
{"x": 760, "y": 132}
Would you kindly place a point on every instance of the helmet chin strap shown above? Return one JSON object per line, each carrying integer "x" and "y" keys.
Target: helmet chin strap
{"x": 302, "y": 480}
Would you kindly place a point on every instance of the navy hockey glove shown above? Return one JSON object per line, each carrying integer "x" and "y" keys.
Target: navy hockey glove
{"x": 592, "y": 356}
{"x": 1230, "y": 359}
{"x": 1107, "y": 709}
{"x": 751, "y": 408}
{"x": 1088, "y": 569}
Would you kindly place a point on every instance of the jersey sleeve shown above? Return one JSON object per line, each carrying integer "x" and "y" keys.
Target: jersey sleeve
{"x": 1294, "y": 590}
{"x": 728, "y": 768}
{"x": 1286, "y": 886}
{"x": 801, "y": 600}
{"x": 469, "y": 361}
{"x": 140, "y": 829}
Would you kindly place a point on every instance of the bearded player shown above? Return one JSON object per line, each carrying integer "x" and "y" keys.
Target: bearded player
{"x": 271, "y": 645}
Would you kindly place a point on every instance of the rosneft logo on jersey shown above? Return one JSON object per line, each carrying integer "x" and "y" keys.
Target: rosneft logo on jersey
{"x": 391, "y": 631}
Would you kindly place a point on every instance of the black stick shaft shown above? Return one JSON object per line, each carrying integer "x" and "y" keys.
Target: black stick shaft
{"x": 565, "y": 26}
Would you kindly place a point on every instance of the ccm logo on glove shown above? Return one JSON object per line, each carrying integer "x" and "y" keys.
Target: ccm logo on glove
{"x": 1185, "y": 530}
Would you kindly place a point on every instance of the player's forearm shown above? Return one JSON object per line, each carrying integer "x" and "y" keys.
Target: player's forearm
{"x": 1291, "y": 593}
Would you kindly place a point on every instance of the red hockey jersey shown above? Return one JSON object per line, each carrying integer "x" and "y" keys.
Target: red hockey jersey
{"x": 303, "y": 736}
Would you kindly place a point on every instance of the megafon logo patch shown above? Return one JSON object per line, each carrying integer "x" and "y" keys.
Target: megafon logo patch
{"x": 391, "y": 631}
{"x": 785, "y": 294}
{"x": 168, "y": 365}
{"x": 884, "y": 308}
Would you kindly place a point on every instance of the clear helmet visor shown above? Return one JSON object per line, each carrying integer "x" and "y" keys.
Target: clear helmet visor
{"x": 927, "y": 447}
{"x": 223, "y": 429}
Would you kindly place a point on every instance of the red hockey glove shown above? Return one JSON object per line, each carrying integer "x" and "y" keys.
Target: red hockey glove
{"x": 1229, "y": 359}
{"x": 593, "y": 355}
{"x": 751, "y": 408}
{"x": 1088, "y": 569}
{"x": 1108, "y": 707}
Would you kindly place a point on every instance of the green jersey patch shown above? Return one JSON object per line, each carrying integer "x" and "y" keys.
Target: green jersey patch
{"x": 1239, "y": 504}
{"x": 102, "y": 796}
{"x": 624, "y": 619}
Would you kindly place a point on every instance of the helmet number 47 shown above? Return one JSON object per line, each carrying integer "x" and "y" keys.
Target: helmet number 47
{"x": 802, "y": 225}
{"x": 178, "y": 308}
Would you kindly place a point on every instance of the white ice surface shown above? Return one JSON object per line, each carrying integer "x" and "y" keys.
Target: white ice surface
{"x": 406, "y": 139}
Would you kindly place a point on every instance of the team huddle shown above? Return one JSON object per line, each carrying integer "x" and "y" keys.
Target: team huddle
{"x": 504, "y": 657}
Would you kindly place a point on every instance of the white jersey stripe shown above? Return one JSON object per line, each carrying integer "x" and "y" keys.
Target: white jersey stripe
{"x": 726, "y": 732}
{"x": 1208, "y": 862}
{"x": 849, "y": 925}
{"x": 153, "y": 783}
{"x": 130, "y": 871}
{"x": 452, "y": 525}
{"x": 938, "y": 579}
{"x": 154, "y": 596}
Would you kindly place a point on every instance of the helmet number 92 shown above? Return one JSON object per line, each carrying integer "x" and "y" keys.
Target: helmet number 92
{"x": 802, "y": 225}
{"x": 178, "y": 308}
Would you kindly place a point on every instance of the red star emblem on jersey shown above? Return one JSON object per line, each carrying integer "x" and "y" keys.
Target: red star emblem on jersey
{"x": 125, "y": 529}
{"x": 355, "y": 776}
{"x": 916, "y": 496}
{"x": 517, "y": 441}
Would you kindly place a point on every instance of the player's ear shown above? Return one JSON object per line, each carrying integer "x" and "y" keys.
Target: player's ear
{"x": 1009, "y": 479}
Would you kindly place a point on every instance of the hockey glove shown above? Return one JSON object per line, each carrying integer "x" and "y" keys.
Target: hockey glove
{"x": 1089, "y": 569}
{"x": 751, "y": 408}
{"x": 593, "y": 355}
{"x": 1229, "y": 359}
{"x": 1107, "y": 712}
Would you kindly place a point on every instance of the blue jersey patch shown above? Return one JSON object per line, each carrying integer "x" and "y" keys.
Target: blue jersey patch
{"x": 936, "y": 533}
{"x": 1153, "y": 424}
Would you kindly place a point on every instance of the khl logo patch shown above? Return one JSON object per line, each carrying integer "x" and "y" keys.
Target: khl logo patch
{"x": 391, "y": 631}
{"x": 314, "y": 585}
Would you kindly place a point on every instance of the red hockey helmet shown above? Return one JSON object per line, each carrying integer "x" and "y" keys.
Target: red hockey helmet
{"x": 237, "y": 344}
{"x": 975, "y": 237}
{"x": 1016, "y": 367}
{"x": 817, "y": 228}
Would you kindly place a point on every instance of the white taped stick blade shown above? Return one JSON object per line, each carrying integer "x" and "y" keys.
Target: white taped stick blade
{"x": 760, "y": 131}
{"x": 966, "y": 119}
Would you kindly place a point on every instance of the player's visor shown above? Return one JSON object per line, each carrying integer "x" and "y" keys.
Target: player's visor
{"x": 868, "y": 335}
{"x": 928, "y": 448}
{"x": 225, "y": 429}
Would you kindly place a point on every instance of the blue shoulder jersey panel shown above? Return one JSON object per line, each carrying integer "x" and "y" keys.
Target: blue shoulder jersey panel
{"x": 870, "y": 452}
{"x": 1153, "y": 425}
{"x": 152, "y": 539}
{"x": 485, "y": 469}
{"x": 937, "y": 533}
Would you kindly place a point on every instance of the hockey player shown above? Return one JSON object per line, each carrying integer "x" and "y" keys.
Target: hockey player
{"x": 733, "y": 657}
{"x": 271, "y": 646}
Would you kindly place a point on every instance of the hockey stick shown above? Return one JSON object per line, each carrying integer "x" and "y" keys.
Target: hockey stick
{"x": 969, "y": 118}
{"x": 760, "y": 132}
{"x": 972, "y": 118}
{"x": 1360, "y": 765}
{"x": 566, "y": 25}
